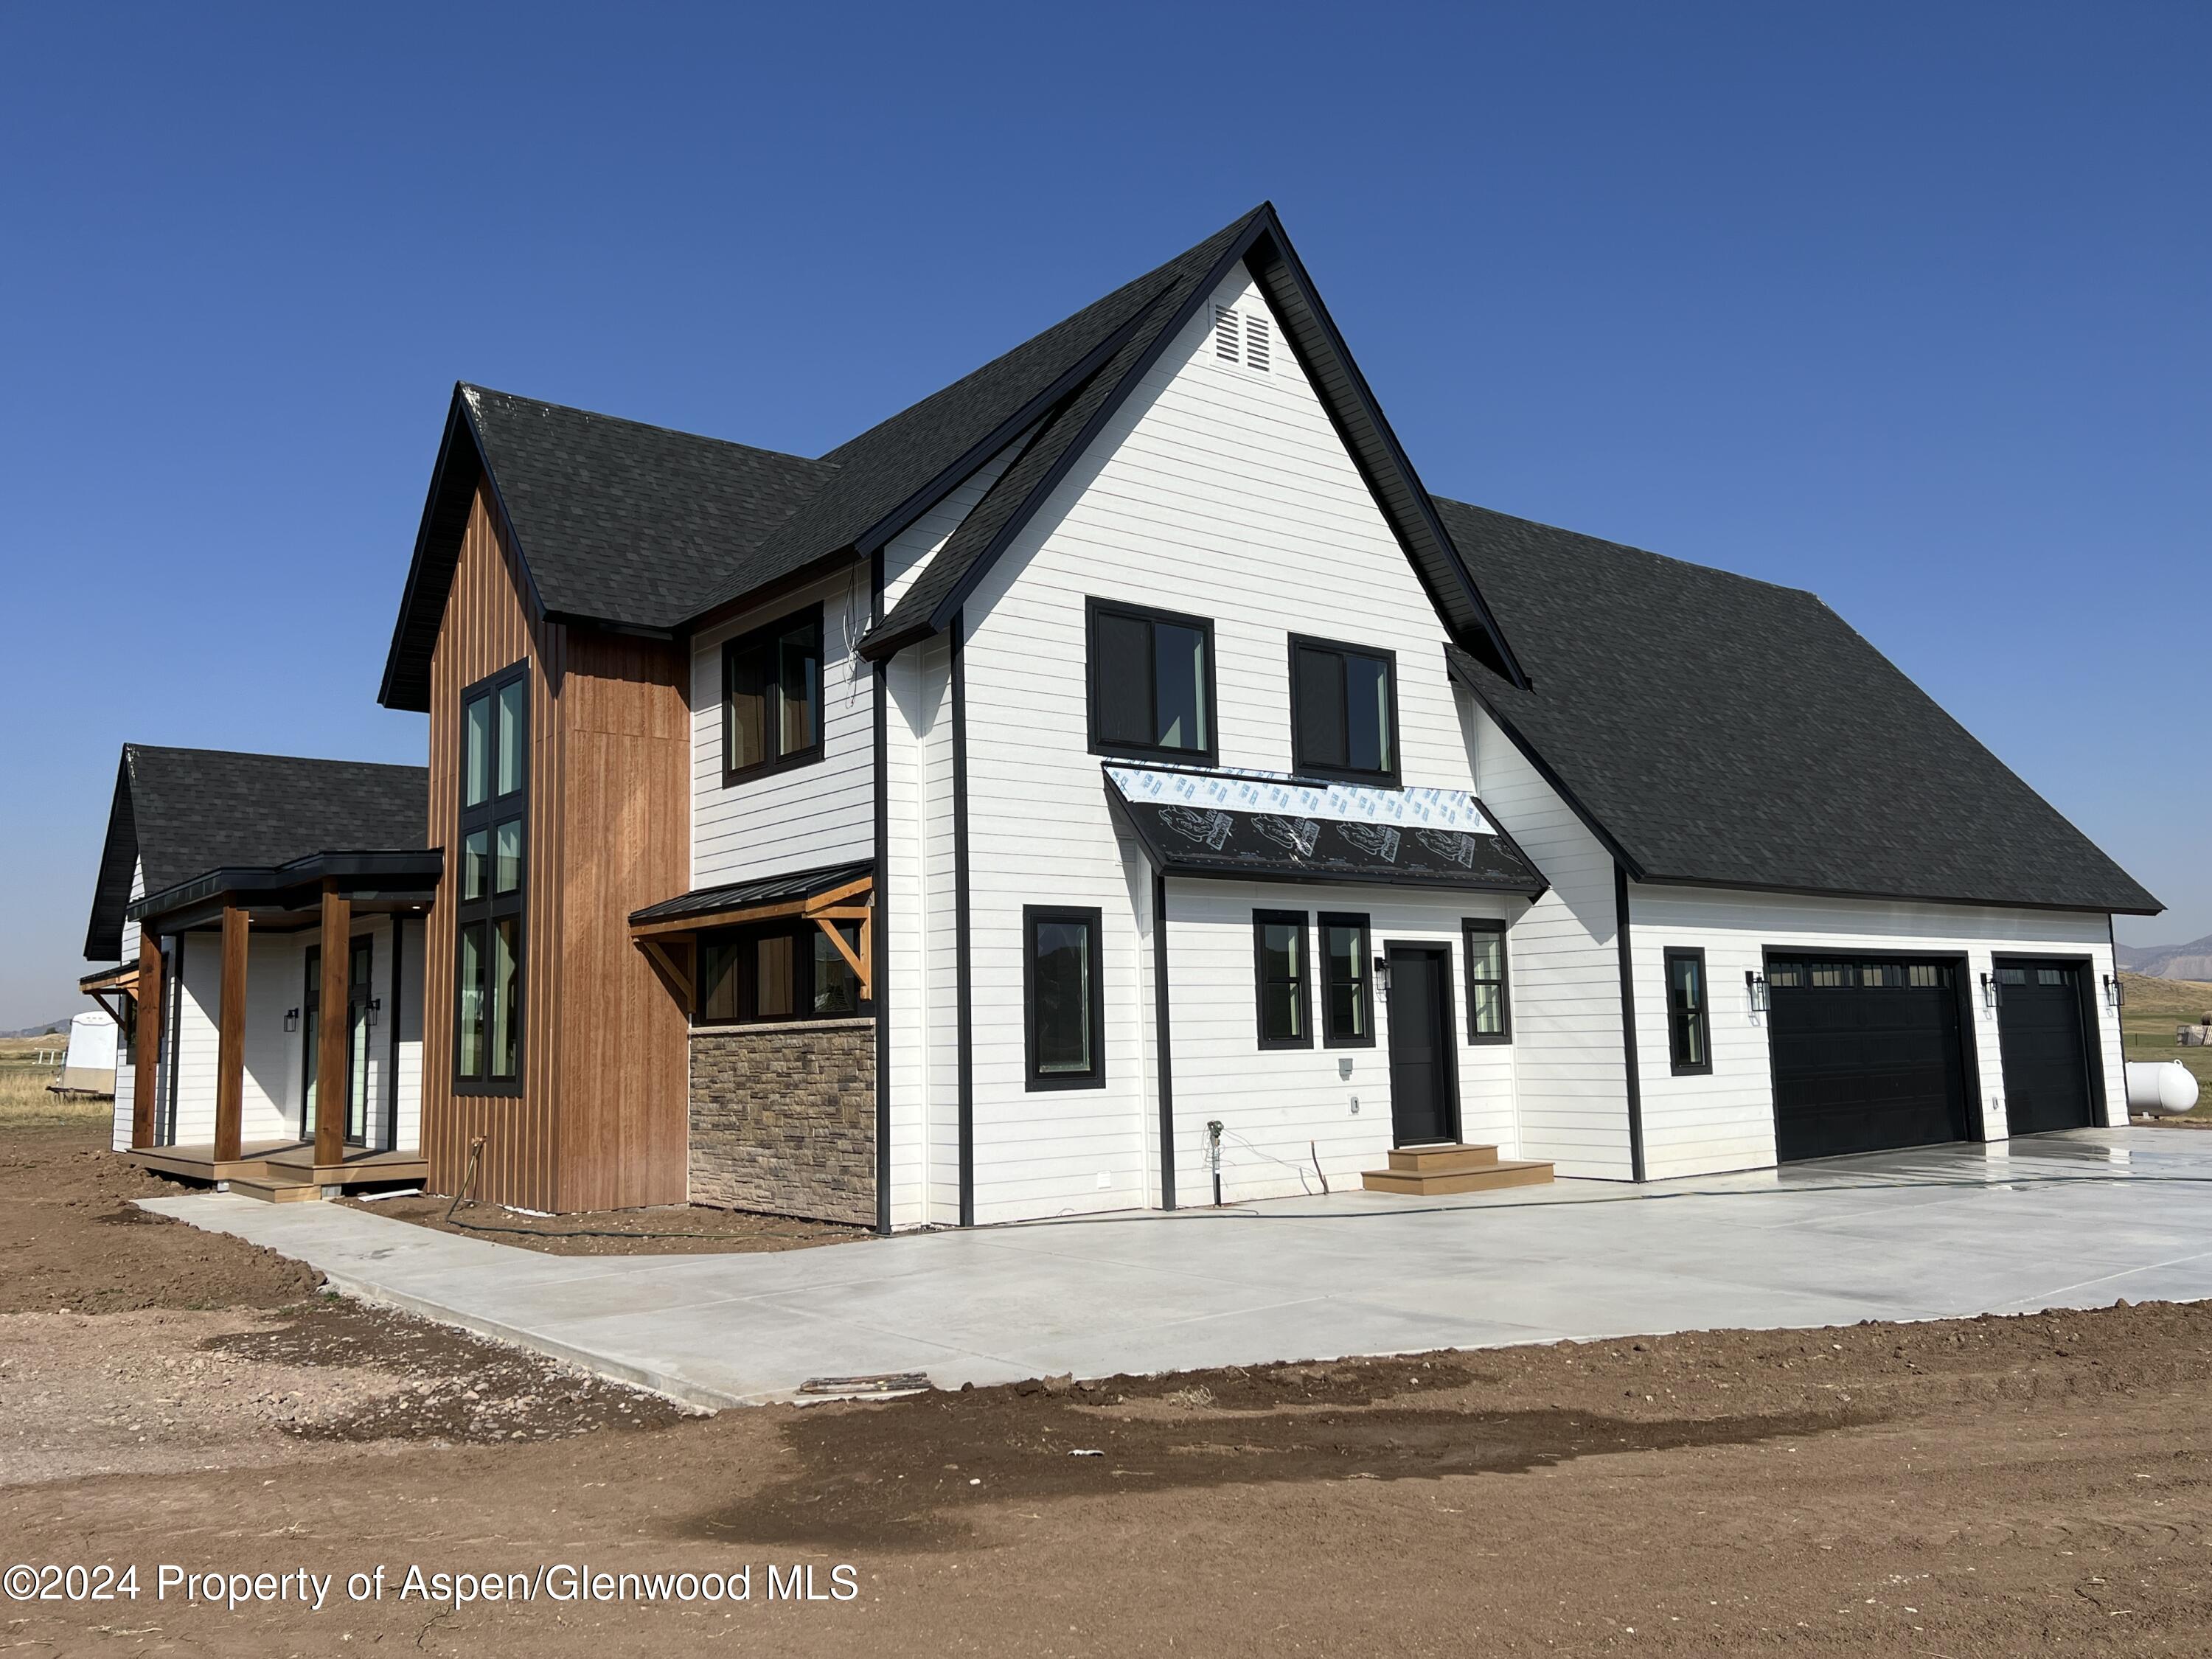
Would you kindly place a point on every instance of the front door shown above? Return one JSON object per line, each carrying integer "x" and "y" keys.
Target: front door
{"x": 360, "y": 966}
{"x": 1424, "y": 1092}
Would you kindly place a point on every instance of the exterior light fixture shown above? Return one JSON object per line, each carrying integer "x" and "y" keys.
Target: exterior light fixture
{"x": 369, "y": 1008}
{"x": 1992, "y": 992}
{"x": 1754, "y": 986}
{"x": 291, "y": 1019}
{"x": 2115, "y": 992}
{"x": 1383, "y": 974}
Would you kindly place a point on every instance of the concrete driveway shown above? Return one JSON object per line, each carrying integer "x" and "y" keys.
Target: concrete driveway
{"x": 2072, "y": 1220}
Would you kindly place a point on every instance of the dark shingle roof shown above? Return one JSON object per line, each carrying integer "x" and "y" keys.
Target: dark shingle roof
{"x": 626, "y": 523}
{"x": 1721, "y": 730}
{"x": 762, "y": 890}
{"x": 183, "y": 813}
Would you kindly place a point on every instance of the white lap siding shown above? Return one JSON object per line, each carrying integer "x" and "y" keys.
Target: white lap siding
{"x": 1282, "y": 1109}
{"x": 126, "y": 1053}
{"x": 1571, "y": 1069}
{"x": 1215, "y": 492}
{"x": 1703, "y": 1124}
{"x": 820, "y": 813}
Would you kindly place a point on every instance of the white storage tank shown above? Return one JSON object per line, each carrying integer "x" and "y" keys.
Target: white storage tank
{"x": 2162, "y": 1088}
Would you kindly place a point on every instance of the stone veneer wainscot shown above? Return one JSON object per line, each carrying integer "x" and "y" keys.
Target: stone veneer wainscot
{"x": 783, "y": 1118}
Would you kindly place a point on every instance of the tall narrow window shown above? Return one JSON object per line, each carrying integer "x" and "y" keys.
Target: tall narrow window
{"x": 772, "y": 697}
{"x": 493, "y": 837}
{"x": 1151, "y": 683}
{"x": 1347, "y": 988}
{"x": 1688, "y": 1029}
{"x": 1489, "y": 1012}
{"x": 1063, "y": 997}
{"x": 1344, "y": 711}
{"x": 1278, "y": 953}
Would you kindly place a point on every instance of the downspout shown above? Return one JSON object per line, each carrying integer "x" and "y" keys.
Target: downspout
{"x": 1161, "y": 1040}
{"x": 879, "y": 953}
{"x": 964, "y": 995}
{"x": 1628, "y": 1024}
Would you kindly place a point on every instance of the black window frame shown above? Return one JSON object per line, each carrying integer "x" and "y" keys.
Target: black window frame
{"x": 1327, "y": 965}
{"x": 1700, "y": 1017}
{"x": 1093, "y": 608}
{"x": 1262, "y": 921}
{"x": 484, "y": 913}
{"x": 1301, "y": 761}
{"x": 802, "y": 932}
{"x": 1094, "y": 919}
{"x": 1470, "y": 927}
{"x": 767, "y": 634}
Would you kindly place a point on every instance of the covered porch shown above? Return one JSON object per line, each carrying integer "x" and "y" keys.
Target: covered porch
{"x": 264, "y": 995}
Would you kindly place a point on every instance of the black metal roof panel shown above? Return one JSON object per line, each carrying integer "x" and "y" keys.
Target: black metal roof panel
{"x": 764, "y": 889}
{"x": 184, "y": 813}
{"x": 1717, "y": 730}
{"x": 1258, "y": 826}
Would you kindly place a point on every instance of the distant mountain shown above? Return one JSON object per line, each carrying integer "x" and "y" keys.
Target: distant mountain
{"x": 50, "y": 1029}
{"x": 2190, "y": 961}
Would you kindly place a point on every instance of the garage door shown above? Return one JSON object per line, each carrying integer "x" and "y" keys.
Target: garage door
{"x": 2046, "y": 1057}
{"x": 1866, "y": 1054}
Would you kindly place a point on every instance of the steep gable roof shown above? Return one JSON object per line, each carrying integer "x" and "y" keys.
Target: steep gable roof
{"x": 182, "y": 812}
{"x": 617, "y": 522}
{"x": 1715, "y": 730}
{"x": 1258, "y": 242}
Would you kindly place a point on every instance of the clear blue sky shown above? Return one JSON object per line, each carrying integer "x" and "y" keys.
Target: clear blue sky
{"x": 1906, "y": 304}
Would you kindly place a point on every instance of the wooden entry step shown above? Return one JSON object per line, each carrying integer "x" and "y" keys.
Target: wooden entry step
{"x": 277, "y": 1191}
{"x": 1425, "y": 1171}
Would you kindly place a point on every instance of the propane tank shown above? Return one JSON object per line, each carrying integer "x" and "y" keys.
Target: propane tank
{"x": 2163, "y": 1088}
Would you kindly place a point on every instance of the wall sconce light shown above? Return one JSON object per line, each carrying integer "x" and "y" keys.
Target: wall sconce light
{"x": 1383, "y": 974}
{"x": 291, "y": 1019}
{"x": 370, "y": 1009}
{"x": 1754, "y": 986}
{"x": 2116, "y": 994}
{"x": 1992, "y": 993}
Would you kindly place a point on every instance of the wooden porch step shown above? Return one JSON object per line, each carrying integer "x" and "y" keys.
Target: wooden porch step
{"x": 275, "y": 1191}
{"x": 1429, "y": 1171}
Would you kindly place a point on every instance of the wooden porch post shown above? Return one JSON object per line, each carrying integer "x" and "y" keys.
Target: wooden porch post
{"x": 148, "y": 1059}
{"x": 332, "y": 1034}
{"x": 230, "y": 1036}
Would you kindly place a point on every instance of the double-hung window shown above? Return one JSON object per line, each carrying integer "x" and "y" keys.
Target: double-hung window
{"x": 785, "y": 970}
{"x": 1151, "y": 683}
{"x": 1344, "y": 711}
{"x": 1347, "y": 1019}
{"x": 1279, "y": 966}
{"x": 493, "y": 841}
{"x": 1689, "y": 1033}
{"x": 1063, "y": 998}
{"x": 1489, "y": 1011}
{"x": 772, "y": 697}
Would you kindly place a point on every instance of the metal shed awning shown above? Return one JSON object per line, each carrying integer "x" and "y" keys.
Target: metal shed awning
{"x": 1263, "y": 827}
{"x": 668, "y": 931}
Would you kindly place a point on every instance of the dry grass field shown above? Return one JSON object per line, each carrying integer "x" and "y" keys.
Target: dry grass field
{"x": 24, "y": 1100}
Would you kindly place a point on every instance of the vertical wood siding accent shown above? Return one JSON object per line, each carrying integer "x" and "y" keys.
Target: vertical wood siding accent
{"x": 1705, "y": 1124}
{"x": 488, "y": 626}
{"x": 1215, "y": 491}
{"x": 622, "y": 1085}
{"x": 1570, "y": 1078}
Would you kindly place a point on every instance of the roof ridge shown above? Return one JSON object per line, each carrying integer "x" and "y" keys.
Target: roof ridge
{"x": 264, "y": 754}
{"x": 1626, "y": 547}
{"x": 471, "y": 390}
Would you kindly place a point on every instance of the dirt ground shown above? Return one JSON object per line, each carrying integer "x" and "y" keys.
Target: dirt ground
{"x": 1992, "y": 1487}
{"x": 673, "y": 1230}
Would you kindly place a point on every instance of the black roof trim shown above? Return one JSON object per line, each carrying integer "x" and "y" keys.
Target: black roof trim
{"x": 762, "y": 890}
{"x": 406, "y": 682}
{"x": 419, "y": 867}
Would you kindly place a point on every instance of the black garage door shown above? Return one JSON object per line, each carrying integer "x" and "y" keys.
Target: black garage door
{"x": 2046, "y": 1056}
{"x": 1866, "y": 1054}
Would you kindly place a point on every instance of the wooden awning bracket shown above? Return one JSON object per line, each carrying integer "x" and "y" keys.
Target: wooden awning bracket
{"x": 671, "y": 944}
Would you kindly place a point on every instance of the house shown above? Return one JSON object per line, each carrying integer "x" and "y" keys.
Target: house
{"x": 269, "y": 913}
{"x": 1115, "y": 778}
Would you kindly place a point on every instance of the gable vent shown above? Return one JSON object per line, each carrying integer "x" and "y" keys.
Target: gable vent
{"x": 1227, "y": 345}
{"x": 1256, "y": 344}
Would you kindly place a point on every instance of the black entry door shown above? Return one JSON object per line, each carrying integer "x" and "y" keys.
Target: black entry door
{"x": 2046, "y": 1051}
{"x": 359, "y": 970}
{"x": 1422, "y": 1093}
{"x": 1867, "y": 1055}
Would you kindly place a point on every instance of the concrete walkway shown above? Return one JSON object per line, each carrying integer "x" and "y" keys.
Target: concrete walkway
{"x": 2074, "y": 1220}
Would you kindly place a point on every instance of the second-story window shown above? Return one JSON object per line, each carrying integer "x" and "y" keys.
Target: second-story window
{"x": 1151, "y": 683}
{"x": 493, "y": 839}
{"x": 772, "y": 697}
{"x": 1344, "y": 711}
